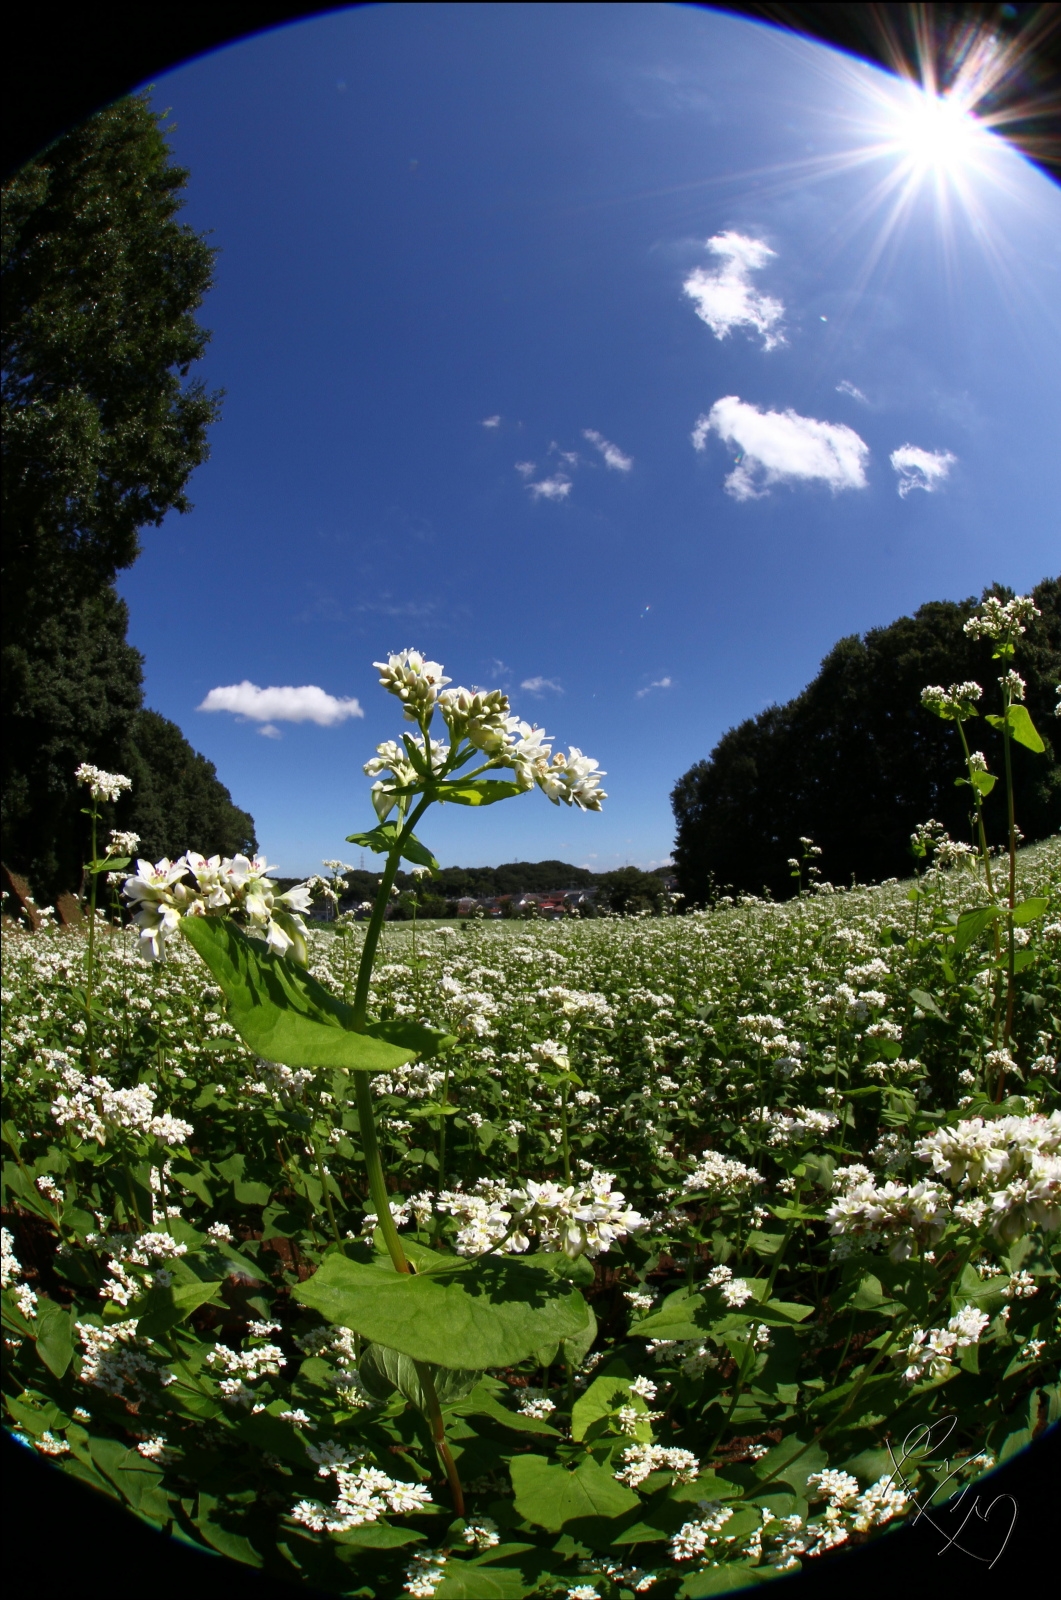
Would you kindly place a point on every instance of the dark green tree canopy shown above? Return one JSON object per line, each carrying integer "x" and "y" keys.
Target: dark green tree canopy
{"x": 102, "y": 425}
{"x": 856, "y": 762}
{"x": 177, "y": 801}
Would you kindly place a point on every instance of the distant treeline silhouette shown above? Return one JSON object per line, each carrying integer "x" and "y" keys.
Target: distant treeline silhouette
{"x": 855, "y": 762}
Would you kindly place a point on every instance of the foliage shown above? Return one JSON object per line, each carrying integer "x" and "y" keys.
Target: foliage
{"x": 100, "y": 287}
{"x": 628, "y": 889}
{"x": 102, "y": 427}
{"x": 312, "y": 1283}
{"x": 856, "y": 762}
{"x": 669, "y": 1071}
{"x": 178, "y": 802}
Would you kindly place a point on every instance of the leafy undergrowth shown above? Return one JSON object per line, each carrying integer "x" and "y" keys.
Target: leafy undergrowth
{"x": 750, "y": 1195}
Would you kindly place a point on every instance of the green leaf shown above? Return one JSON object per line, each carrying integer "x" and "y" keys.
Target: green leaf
{"x": 383, "y": 839}
{"x": 382, "y": 1371}
{"x": 775, "y": 1465}
{"x": 138, "y": 1481}
{"x": 464, "y": 1580}
{"x": 487, "y": 1313}
{"x": 165, "y": 1308}
{"x": 54, "y": 1330}
{"x": 285, "y": 1015}
{"x": 379, "y": 1536}
{"x": 1023, "y": 729}
{"x": 971, "y": 925}
{"x": 551, "y": 1495}
{"x": 602, "y": 1399}
{"x": 922, "y": 998}
{"x": 481, "y": 1403}
{"x": 722, "y": 1580}
{"x": 1030, "y": 911}
{"x": 477, "y": 792}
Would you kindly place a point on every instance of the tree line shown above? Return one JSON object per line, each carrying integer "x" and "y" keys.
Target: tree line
{"x": 103, "y": 425}
{"x": 856, "y": 762}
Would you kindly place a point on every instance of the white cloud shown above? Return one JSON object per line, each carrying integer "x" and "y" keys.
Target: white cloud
{"x": 660, "y": 683}
{"x": 268, "y": 731}
{"x": 525, "y": 467}
{"x": 921, "y": 469}
{"x": 845, "y": 386}
{"x": 725, "y": 298}
{"x": 536, "y": 685}
{"x": 783, "y": 447}
{"x": 555, "y": 488}
{"x": 492, "y": 422}
{"x": 613, "y": 456}
{"x": 288, "y": 704}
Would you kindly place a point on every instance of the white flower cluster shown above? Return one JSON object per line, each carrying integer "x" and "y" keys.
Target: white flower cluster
{"x": 338, "y": 1344}
{"x": 904, "y": 1213}
{"x": 1015, "y": 1163}
{"x": 364, "y": 1495}
{"x": 635, "y": 1578}
{"x": 93, "y": 1108}
{"x": 695, "y": 1538}
{"x": 1002, "y": 620}
{"x": 798, "y": 1125}
{"x": 954, "y": 704}
{"x": 766, "y": 1033}
{"x": 244, "y": 1367}
{"x": 102, "y": 785}
{"x": 132, "y": 1250}
{"x": 719, "y": 1174}
{"x": 847, "y": 1512}
{"x": 236, "y": 887}
{"x": 11, "y": 1272}
{"x": 114, "y": 1360}
{"x": 424, "y": 1573}
{"x": 482, "y": 718}
{"x": 639, "y": 1460}
{"x": 482, "y": 1533}
{"x": 930, "y": 1350}
{"x": 535, "y": 1405}
{"x": 583, "y": 1219}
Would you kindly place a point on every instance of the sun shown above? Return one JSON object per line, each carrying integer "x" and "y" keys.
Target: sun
{"x": 937, "y": 133}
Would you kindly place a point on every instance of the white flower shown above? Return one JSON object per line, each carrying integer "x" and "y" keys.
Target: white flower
{"x": 1002, "y": 620}
{"x": 537, "y": 1406}
{"x": 416, "y": 682}
{"x": 719, "y": 1174}
{"x": 102, "y": 785}
{"x": 639, "y": 1460}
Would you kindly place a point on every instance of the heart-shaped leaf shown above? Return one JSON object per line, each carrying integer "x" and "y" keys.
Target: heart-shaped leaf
{"x": 478, "y": 791}
{"x": 285, "y": 1015}
{"x": 551, "y": 1495}
{"x": 383, "y": 839}
{"x": 491, "y": 1312}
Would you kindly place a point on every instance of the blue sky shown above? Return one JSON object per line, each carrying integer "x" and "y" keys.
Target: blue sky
{"x": 492, "y": 393}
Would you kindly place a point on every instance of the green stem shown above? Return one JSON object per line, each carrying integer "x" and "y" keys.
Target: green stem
{"x": 1010, "y": 984}
{"x": 563, "y": 1132}
{"x": 377, "y": 1182}
{"x": 90, "y": 980}
{"x": 442, "y": 1134}
{"x": 438, "y": 1433}
{"x": 323, "y": 1176}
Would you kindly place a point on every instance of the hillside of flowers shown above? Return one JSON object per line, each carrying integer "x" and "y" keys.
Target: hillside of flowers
{"x": 504, "y": 1259}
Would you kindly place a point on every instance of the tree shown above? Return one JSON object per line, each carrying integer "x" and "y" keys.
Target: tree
{"x": 628, "y": 889}
{"x": 102, "y": 427}
{"x": 177, "y": 801}
{"x": 856, "y": 762}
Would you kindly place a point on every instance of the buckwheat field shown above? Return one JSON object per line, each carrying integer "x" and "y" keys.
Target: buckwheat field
{"x": 496, "y": 1259}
